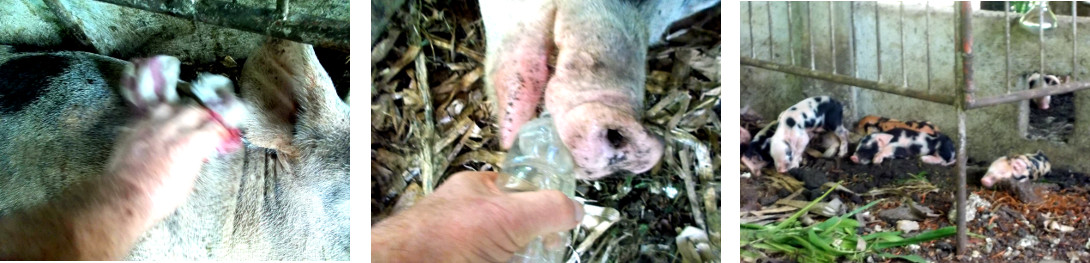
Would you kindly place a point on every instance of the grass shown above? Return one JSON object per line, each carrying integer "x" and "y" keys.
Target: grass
{"x": 831, "y": 240}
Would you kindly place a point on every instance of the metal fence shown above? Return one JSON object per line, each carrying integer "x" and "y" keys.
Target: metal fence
{"x": 964, "y": 96}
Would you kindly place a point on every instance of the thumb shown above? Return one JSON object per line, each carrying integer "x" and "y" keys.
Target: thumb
{"x": 543, "y": 212}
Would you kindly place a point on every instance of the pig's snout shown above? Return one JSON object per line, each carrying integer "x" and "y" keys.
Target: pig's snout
{"x": 987, "y": 181}
{"x": 604, "y": 140}
{"x": 855, "y": 159}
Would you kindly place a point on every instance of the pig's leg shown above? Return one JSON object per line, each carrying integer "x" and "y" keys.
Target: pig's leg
{"x": 932, "y": 159}
{"x": 842, "y": 133}
{"x": 597, "y": 92}
{"x": 518, "y": 34}
{"x": 147, "y": 82}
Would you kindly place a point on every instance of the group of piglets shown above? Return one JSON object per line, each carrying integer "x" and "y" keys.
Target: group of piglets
{"x": 818, "y": 119}
{"x": 784, "y": 140}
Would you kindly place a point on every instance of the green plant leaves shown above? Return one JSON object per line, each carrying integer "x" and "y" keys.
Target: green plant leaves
{"x": 830, "y": 240}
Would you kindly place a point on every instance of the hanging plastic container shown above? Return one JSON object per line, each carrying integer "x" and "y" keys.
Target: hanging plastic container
{"x": 1038, "y": 18}
{"x": 538, "y": 160}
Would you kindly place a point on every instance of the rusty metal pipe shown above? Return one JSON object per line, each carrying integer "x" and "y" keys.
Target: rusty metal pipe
{"x": 842, "y": 79}
{"x": 317, "y": 31}
{"x": 965, "y": 44}
{"x": 1028, "y": 94}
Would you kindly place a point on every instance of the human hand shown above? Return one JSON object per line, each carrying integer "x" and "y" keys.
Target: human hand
{"x": 468, "y": 219}
{"x": 161, "y": 156}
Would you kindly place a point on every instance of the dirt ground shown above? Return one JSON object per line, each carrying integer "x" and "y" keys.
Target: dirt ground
{"x": 1056, "y": 123}
{"x": 1014, "y": 228}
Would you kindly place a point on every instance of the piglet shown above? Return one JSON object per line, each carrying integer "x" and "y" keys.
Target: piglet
{"x": 756, "y": 155}
{"x": 1017, "y": 168}
{"x": 801, "y": 122}
{"x": 902, "y": 143}
{"x": 872, "y": 123}
{"x": 1037, "y": 80}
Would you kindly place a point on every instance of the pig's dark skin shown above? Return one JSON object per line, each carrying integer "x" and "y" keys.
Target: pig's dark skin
{"x": 101, "y": 219}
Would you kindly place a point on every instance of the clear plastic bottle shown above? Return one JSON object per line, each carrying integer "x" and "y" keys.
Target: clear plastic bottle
{"x": 539, "y": 160}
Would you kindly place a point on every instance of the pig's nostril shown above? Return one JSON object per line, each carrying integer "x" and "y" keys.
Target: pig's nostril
{"x": 615, "y": 138}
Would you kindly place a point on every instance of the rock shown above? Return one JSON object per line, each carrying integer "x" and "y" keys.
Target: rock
{"x": 1010, "y": 253}
{"x": 973, "y": 203}
{"x": 913, "y": 247}
{"x": 1028, "y": 241}
{"x": 976, "y": 254}
{"x": 693, "y": 245}
{"x": 1051, "y": 261}
{"x": 900, "y": 213}
{"x": 1056, "y": 226}
{"x": 907, "y": 226}
{"x": 945, "y": 246}
{"x": 988, "y": 243}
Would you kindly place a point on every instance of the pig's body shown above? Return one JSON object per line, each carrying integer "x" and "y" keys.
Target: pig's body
{"x": 800, "y": 123}
{"x": 282, "y": 196}
{"x": 871, "y": 124}
{"x": 827, "y": 145}
{"x": 904, "y": 143}
{"x": 596, "y": 91}
{"x": 1017, "y": 168}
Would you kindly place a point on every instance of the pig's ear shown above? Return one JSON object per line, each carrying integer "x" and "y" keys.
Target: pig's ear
{"x": 286, "y": 87}
{"x": 1018, "y": 166}
{"x": 883, "y": 139}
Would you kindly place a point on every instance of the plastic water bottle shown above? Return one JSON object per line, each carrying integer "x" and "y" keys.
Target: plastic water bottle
{"x": 538, "y": 160}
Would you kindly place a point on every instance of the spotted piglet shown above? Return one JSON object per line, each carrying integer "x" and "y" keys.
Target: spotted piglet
{"x": 872, "y": 123}
{"x": 1037, "y": 80}
{"x": 1017, "y": 168}
{"x": 756, "y": 154}
{"x": 801, "y": 122}
{"x": 902, "y": 143}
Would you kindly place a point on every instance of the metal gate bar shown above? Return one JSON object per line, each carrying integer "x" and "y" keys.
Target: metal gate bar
{"x": 846, "y": 80}
{"x": 318, "y": 31}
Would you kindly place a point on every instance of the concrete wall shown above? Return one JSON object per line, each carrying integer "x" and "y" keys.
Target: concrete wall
{"x": 992, "y": 131}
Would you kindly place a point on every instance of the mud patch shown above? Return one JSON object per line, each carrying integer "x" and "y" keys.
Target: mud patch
{"x": 1055, "y": 124}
